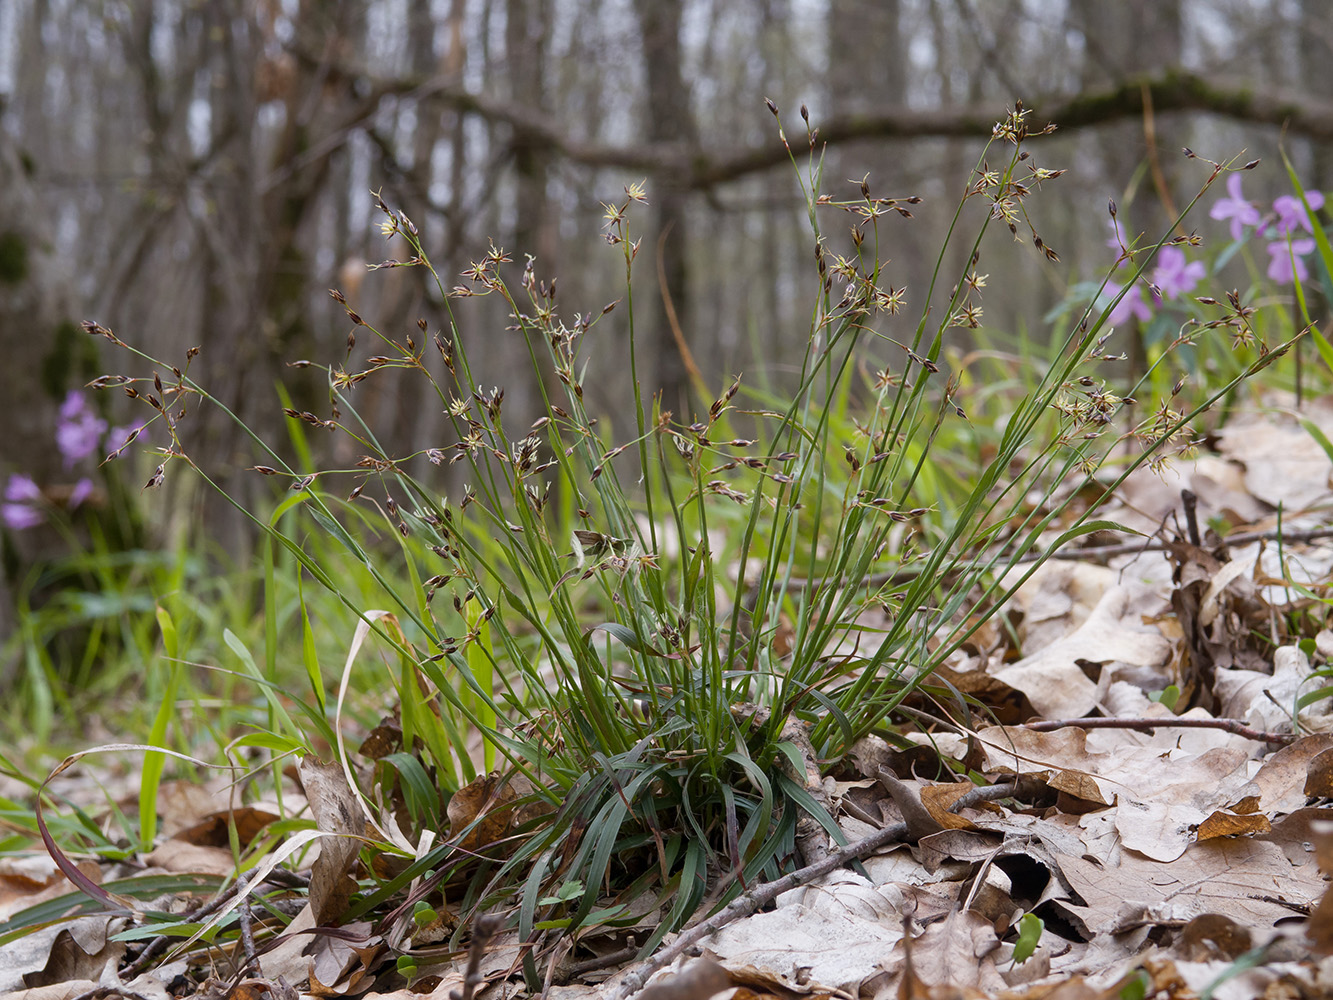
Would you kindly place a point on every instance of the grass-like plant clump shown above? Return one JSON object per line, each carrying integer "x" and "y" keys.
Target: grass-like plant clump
{"x": 622, "y": 668}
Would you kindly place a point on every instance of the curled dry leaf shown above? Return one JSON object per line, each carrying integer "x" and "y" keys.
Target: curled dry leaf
{"x": 484, "y": 811}
{"x": 337, "y": 811}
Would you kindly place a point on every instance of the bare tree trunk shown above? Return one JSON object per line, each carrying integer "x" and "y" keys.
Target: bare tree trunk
{"x": 667, "y": 118}
{"x": 527, "y": 32}
{"x": 1122, "y": 39}
{"x": 1316, "y": 51}
{"x": 45, "y": 354}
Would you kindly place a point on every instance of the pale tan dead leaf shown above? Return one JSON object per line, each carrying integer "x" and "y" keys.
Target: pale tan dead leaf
{"x": 1211, "y": 605}
{"x": 1101, "y": 961}
{"x": 503, "y": 956}
{"x": 1284, "y": 465}
{"x": 970, "y": 846}
{"x": 1160, "y": 795}
{"x": 26, "y": 880}
{"x": 1282, "y": 777}
{"x": 897, "y": 864}
{"x": 1125, "y": 701}
{"x": 59, "y": 991}
{"x": 178, "y": 856}
{"x": 1037, "y": 966}
{"x": 1323, "y": 643}
{"x": 339, "y": 967}
{"x": 1295, "y": 835}
{"x": 1061, "y": 759}
{"x": 1270, "y": 981}
{"x": 1266, "y": 701}
{"x": 287, "y": 960}
{"x": 450, "y": 985}
{"x": 956, "y": 952}
{"x": 1057, "y": 599}
{"x": 803, "y": 945}
{"x": 1249, "y": 880}
{"x": 1320, "y": 926}
{"x": 1052, "y": 679}
{"x": 991, "y": 895}
{"x": 337, "y": 811}
{"x": 844, "y": 892}
{"x": 1146, "y": 499}
{"x": 84, "y": 956}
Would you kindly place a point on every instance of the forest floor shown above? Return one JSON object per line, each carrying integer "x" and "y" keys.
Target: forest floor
{"x": 1104, "y": 847}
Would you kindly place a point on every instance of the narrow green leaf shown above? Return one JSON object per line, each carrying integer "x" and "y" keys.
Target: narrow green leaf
{"x": 237, "y": 646}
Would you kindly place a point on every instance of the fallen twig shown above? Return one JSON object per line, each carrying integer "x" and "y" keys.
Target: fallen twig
{"x": 986, "y": 793}
{"x": 484, "y": 928}
{"x": 159, "y": 944}
{"x": 571, "y": 971}
{"x": 749, "y": 902}
{"x": 249, "y": 958}
{"x": 699, "y": 980}
{"x": 1234, "y": 726}
{"x": 1240, "y": 538}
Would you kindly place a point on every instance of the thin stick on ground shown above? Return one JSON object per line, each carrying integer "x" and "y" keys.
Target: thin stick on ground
{"x": 1148, "y": 725}
{"x": 483, "y": 929}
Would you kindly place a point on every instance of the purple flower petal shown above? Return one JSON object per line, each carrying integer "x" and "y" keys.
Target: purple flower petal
{"x": 79, "y": 438}
{"x": 1291, "y": 213}
{"x": 1173, "y": 275}
{"x": 74, "y": 405}
{"x": 1236, "y": 208}
{"x": 22, "y": 489}
{"x": 1116, "y": 242}
{"x": 1286, "y": 260}
{"x": 1131, "y": 305}
{"x": 82, "y": 490}
{"x": 20, "y": 516}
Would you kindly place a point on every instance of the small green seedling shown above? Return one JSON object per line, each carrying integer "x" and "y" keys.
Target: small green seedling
{"x": 567, "y": 892}
{"x": 423, "y": 913}
{"x": 1168, "y": 696}
{"x": 1030, "y": 929}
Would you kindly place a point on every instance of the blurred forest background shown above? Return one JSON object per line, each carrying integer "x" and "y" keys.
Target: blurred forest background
{"x": 200, "y": 173}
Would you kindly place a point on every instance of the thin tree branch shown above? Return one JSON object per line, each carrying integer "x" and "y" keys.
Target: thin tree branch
{"x": 697, "y": 168}
{"x": 694, "y": 167}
